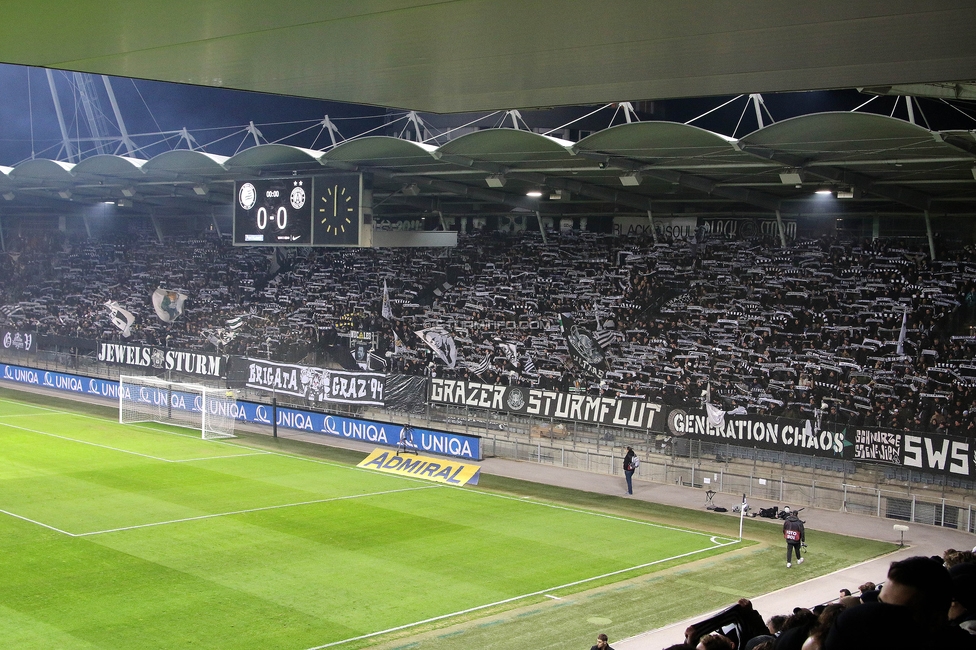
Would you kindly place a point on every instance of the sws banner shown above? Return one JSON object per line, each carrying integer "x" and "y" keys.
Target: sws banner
{"x": 14, "y": 340}
{"x": 611, "y": 411}
{"x": 918, "y": 451}
{"x": 143, "y": 356}
{"x": 315, "y": 384}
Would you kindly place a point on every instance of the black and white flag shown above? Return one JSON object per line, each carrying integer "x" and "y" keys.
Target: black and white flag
{"x": 375, "y": 363}
{"x": 6, "y": 311}
{"x": 528, "y": 365}
{"x": 121, "y": 318}
{"x": 482, "y": 366}
{"x": 583, "y": 348}
{"x": 441, "y": 342}
{"x": 511, "y": 352}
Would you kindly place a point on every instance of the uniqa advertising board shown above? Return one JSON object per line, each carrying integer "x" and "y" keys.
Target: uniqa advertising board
{"x": 380, "y": 433}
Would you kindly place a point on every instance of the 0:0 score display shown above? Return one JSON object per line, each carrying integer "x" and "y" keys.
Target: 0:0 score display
{"x": 298, "y": 211}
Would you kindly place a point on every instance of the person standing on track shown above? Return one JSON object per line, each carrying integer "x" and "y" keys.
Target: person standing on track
{"x": 630, "y": 466}
{"x": 795, "y": 536}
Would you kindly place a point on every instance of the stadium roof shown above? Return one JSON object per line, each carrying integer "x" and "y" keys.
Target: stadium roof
{"x": 883, "y": 165}
{"x": 472, "y": 55}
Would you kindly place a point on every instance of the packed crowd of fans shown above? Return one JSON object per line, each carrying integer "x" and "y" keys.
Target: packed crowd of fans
{"x": 870, "y": 333}
{"x": 924, "y": 603}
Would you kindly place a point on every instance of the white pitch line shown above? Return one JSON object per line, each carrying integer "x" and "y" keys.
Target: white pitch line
{"x": 127, "y": 451}
{"x": 249, "y": 510}
{"x": 38, "y": 523}
{"x": 553, "y": 597}
{"x": 543, "y": 592}
{"x": 601, "y": 514}
{"x": 193, "y": 460}
{"x": 85, "y": 442}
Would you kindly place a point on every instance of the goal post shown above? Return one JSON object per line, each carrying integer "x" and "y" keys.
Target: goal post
{"x": 150, "y": 399}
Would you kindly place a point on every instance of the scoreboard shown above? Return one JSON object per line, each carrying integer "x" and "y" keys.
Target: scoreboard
{"x": 299, "y": 211}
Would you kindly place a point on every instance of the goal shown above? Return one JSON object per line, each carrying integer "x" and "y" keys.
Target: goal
{"x": 149, "y": 399}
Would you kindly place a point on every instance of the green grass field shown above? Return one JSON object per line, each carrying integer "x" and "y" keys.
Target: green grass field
{"x": 145, "y": 536}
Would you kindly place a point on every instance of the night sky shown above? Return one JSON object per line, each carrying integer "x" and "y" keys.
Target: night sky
{"x": 215, "y": 117}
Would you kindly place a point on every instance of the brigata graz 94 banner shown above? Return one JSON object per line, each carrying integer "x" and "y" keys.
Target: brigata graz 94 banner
{"x": 615, "y": 411}
{"x": 314, "y": 384}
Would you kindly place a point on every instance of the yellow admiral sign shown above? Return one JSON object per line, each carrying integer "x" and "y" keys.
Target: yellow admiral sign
{"x": 451, "y": 472}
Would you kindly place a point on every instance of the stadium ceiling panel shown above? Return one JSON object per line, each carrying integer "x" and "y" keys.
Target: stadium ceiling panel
{"x": 472, "y": 55}
{"x": 881, "y": 165}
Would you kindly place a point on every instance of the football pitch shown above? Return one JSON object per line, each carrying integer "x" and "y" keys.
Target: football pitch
{"x": 146, "y": 536}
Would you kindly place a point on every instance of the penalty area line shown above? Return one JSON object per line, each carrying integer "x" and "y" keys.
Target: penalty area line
{"x": 37, "y": 523}
{"x": 541, "y": 592}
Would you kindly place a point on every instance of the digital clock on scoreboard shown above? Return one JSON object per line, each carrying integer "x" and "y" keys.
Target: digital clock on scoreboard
{"x": 273, "y": 212}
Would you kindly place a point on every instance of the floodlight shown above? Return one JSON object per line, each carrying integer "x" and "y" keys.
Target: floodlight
{"x": 631, "y": 179}
{"x": 128, "y": 192}
{"x": 65, "y": 194}
{"x": 9, "y": 196}
{"x": 199, "y": 190}
{"x": 790, "y": 176}
{"x": 845, "y": 194}
{"x": 974, "y": 171}
{"x": 535, "y": 194}
{"x": 411, "y": 190}
{"x": 824, "y": 191}
{"x": 124, "y": 203}
{"x": 495, "y": 180}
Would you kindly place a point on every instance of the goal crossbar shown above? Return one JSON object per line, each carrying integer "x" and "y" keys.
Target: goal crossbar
{"x": 150, "y": 399}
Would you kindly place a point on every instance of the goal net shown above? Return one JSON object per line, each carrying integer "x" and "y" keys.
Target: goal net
{"x": 149, "y": 399}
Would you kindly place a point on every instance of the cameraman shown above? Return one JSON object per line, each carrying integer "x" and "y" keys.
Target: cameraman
{"x": 795, "y": 536}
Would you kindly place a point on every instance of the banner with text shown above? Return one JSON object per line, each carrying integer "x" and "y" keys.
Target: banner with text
{"x": 611, "y": 411}
{"x": 144, "y": 356}
{"x": 425, "y": 467}
{"x": 315, "y": 384}
{"x": 776, "y": 434}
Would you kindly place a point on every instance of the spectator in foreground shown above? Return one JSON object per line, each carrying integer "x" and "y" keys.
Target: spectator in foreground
{"x": 602, "y": 643}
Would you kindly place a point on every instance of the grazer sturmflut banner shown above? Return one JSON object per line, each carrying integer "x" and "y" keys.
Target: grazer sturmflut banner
{"x": 316, "y": 384}
{"x": 144, "y": 356}
{"x": 611, "y": 411}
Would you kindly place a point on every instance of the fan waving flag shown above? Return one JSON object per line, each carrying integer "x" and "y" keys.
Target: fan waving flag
{"x": 9, "y": 310}
{"x": 481, "y": 366}
{"x": 121, "y": 318}
{"x": 442, "y": 343}
{"x": 168, "y": 304}
{"x": 583, "y": 348}
{"x": 386, "y": 312}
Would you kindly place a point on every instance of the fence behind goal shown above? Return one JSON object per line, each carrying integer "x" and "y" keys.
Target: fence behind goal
{"x": 149, "y": 399}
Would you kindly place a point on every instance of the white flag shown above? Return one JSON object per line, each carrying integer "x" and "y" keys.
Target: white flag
{"x": 386, "y": 312}
{"x": 168, "y": 304}
{"x": 442, "y": 343}
{"x": 121, "y": 318}
{"x": 901, "y": 337}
